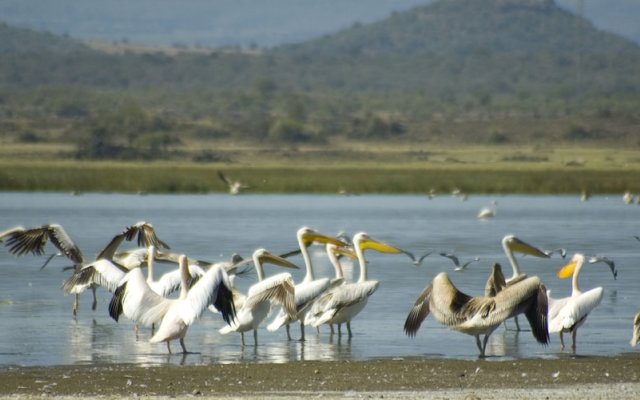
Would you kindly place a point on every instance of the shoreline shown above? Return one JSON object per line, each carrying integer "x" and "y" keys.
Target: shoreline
{"x": 615, "y": 377}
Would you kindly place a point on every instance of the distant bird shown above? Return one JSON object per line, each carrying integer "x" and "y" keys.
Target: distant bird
{"x": 560, "y": 250}
{"x": 480, "y": 315}
{"x": 235, "y": 187}
{"x": 636, "y": 330}
{"x": 418, "y": 262}
{"x": 627, "y": 197}
{"x": 585, "y": 195}
{"x": 569, "y": 313}
{"x": 34, "y": 240}
{"x": 456, "y": 261}
{"x": 488, "y": 212}
{"x": 609, "y": 262}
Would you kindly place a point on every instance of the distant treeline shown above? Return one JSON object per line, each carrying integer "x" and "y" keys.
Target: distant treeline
{"x": 458, "y": 71}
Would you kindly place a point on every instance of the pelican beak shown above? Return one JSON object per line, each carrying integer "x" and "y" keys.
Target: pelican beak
{"x": 525, "y": 248}
{"x": 345, "y": 251}
{"x": 316, "y": 237}
{"x": 567, "y": 270}
{"x": 384, "y": 248}
{"x": 276, "y": 260}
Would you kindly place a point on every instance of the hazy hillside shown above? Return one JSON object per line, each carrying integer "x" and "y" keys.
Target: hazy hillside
{"x": 245, "y": 22}
{"x": 453, "y": 71}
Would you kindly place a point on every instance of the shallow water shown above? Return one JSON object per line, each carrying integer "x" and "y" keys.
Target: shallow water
{"x": 39, "y": 329}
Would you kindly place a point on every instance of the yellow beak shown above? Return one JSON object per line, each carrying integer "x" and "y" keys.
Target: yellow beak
{"x": 316, "y": 237}
{"x": 525, "y": 248}
{"x": 276, "y": 260}
{"x": 567, "y": 270}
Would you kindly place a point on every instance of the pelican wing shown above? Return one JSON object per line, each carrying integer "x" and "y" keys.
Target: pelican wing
{"x": 170, "y": 281}
{"x": 146, "y": 236}
{"x": 278, "y": 288}
{"x": 419, "y": 311}
{"x": 34, "y": 240}
{"x": 328, "y": 304}
{"x": 576, "y": 309}
{"x": 101, "y": 272}
{"x": 213, "y": 288}
{"x": 496, "y": 281}
{"x": 306, "y": 292}
{"x": 135, "y": 299}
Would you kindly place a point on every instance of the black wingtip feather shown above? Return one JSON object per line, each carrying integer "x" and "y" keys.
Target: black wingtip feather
{"x": 224, "y": 304}
{"x": 115, "y": 305}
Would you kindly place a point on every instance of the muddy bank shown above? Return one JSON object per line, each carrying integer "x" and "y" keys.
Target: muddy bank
{"x": 393, "y": 377}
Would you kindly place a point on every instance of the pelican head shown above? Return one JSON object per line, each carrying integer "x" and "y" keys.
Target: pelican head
{"x": 307, "y": 236}
{"x": 342, "y": 251}
{"x": 569, "y": 268}
{"x": 263, "y": 256}
{"x": 512, "y": 243}
{"x": 363, "y": 241}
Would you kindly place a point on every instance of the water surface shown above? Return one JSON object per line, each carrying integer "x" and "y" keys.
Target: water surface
{"x": 39, "y": 329}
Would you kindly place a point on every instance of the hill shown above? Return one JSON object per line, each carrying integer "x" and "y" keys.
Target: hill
{"x": 454, "y": 71}
{"x": 246, "y": 23}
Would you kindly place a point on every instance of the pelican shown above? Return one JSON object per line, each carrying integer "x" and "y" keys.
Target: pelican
{"x": 480, "y": 315}
{"x": 342, "y": 303}
{"x": 22, "y": 241}
{"x": 488, "y": 212}
{"x": 257, "y": 303}
{"x": 569, "y": 313}
{"x": 511, "y": 244}
{"x": 310, "y": 288}
{"x": 135, "y": 299}
{"x": 235, "y": 187}
{"x": 636, "y": 330}
{"x": 456, "y": 261}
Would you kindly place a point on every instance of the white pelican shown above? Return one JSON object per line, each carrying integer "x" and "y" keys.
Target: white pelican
{"x": 342, "y": 303}
{"x": 480, "y": 315}
{"x": 488, "y": 212}
{"x": 636, "y": 330}
{"x": 135, "y": 299}
{"x": 310, "y": 288}
{"x": 235, "y": 187}
{"x": 34, "y": 241}
{"x": 256, "y": 304}
{"x": 569, "y": 313}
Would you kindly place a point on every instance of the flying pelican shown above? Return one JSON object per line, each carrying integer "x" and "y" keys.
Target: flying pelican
{"x": 636, "y": 330}
{"x": 569, "y": 313}
{"x": 135, "y": 299}
{"x": 310, "y": 288}
{"x": 488, "y": 212}
{"x": 511, "y": 244}
{"x": 342, "y": 303}
{"x": 257, "y": 303}
{"x": 34, "y": 240}
{"x": 480, "y": 315}
{"x": 456, "y": 261}
{"x": 235, "y": 187}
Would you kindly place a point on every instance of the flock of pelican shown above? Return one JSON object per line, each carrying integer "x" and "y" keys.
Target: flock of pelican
{"x": 207, "y": 287}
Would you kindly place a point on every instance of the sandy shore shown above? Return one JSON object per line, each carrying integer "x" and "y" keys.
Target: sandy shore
{"x": 568, "y": 377}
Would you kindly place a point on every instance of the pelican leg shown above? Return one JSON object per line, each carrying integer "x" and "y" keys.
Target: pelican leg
{"x": 574, "y": 332}
{"x": 242, "y": 338}
{"x": 288, "y": 332}
{"x": 349, "y": 330}
{"x": 561, "y": 342}
{"x": 169, "y": 346}
{"x": 339, "y": 329}
{"x": 484, "y": 344}
{"x": 517, "y": 324}
{"x": 184, "y": 348}
{"x": 318, "y": 330}
{"x": 74, "y": 306}
{"x": 301, "y": 331}
{"x": 331, "y": 326}
{"x": 94, "y": 305}
{"x": 479, "y": 344}
{"x": 255, "y": 337}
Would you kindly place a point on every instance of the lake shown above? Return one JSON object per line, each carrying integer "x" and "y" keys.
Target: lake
{"x": 38, "y": 327}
